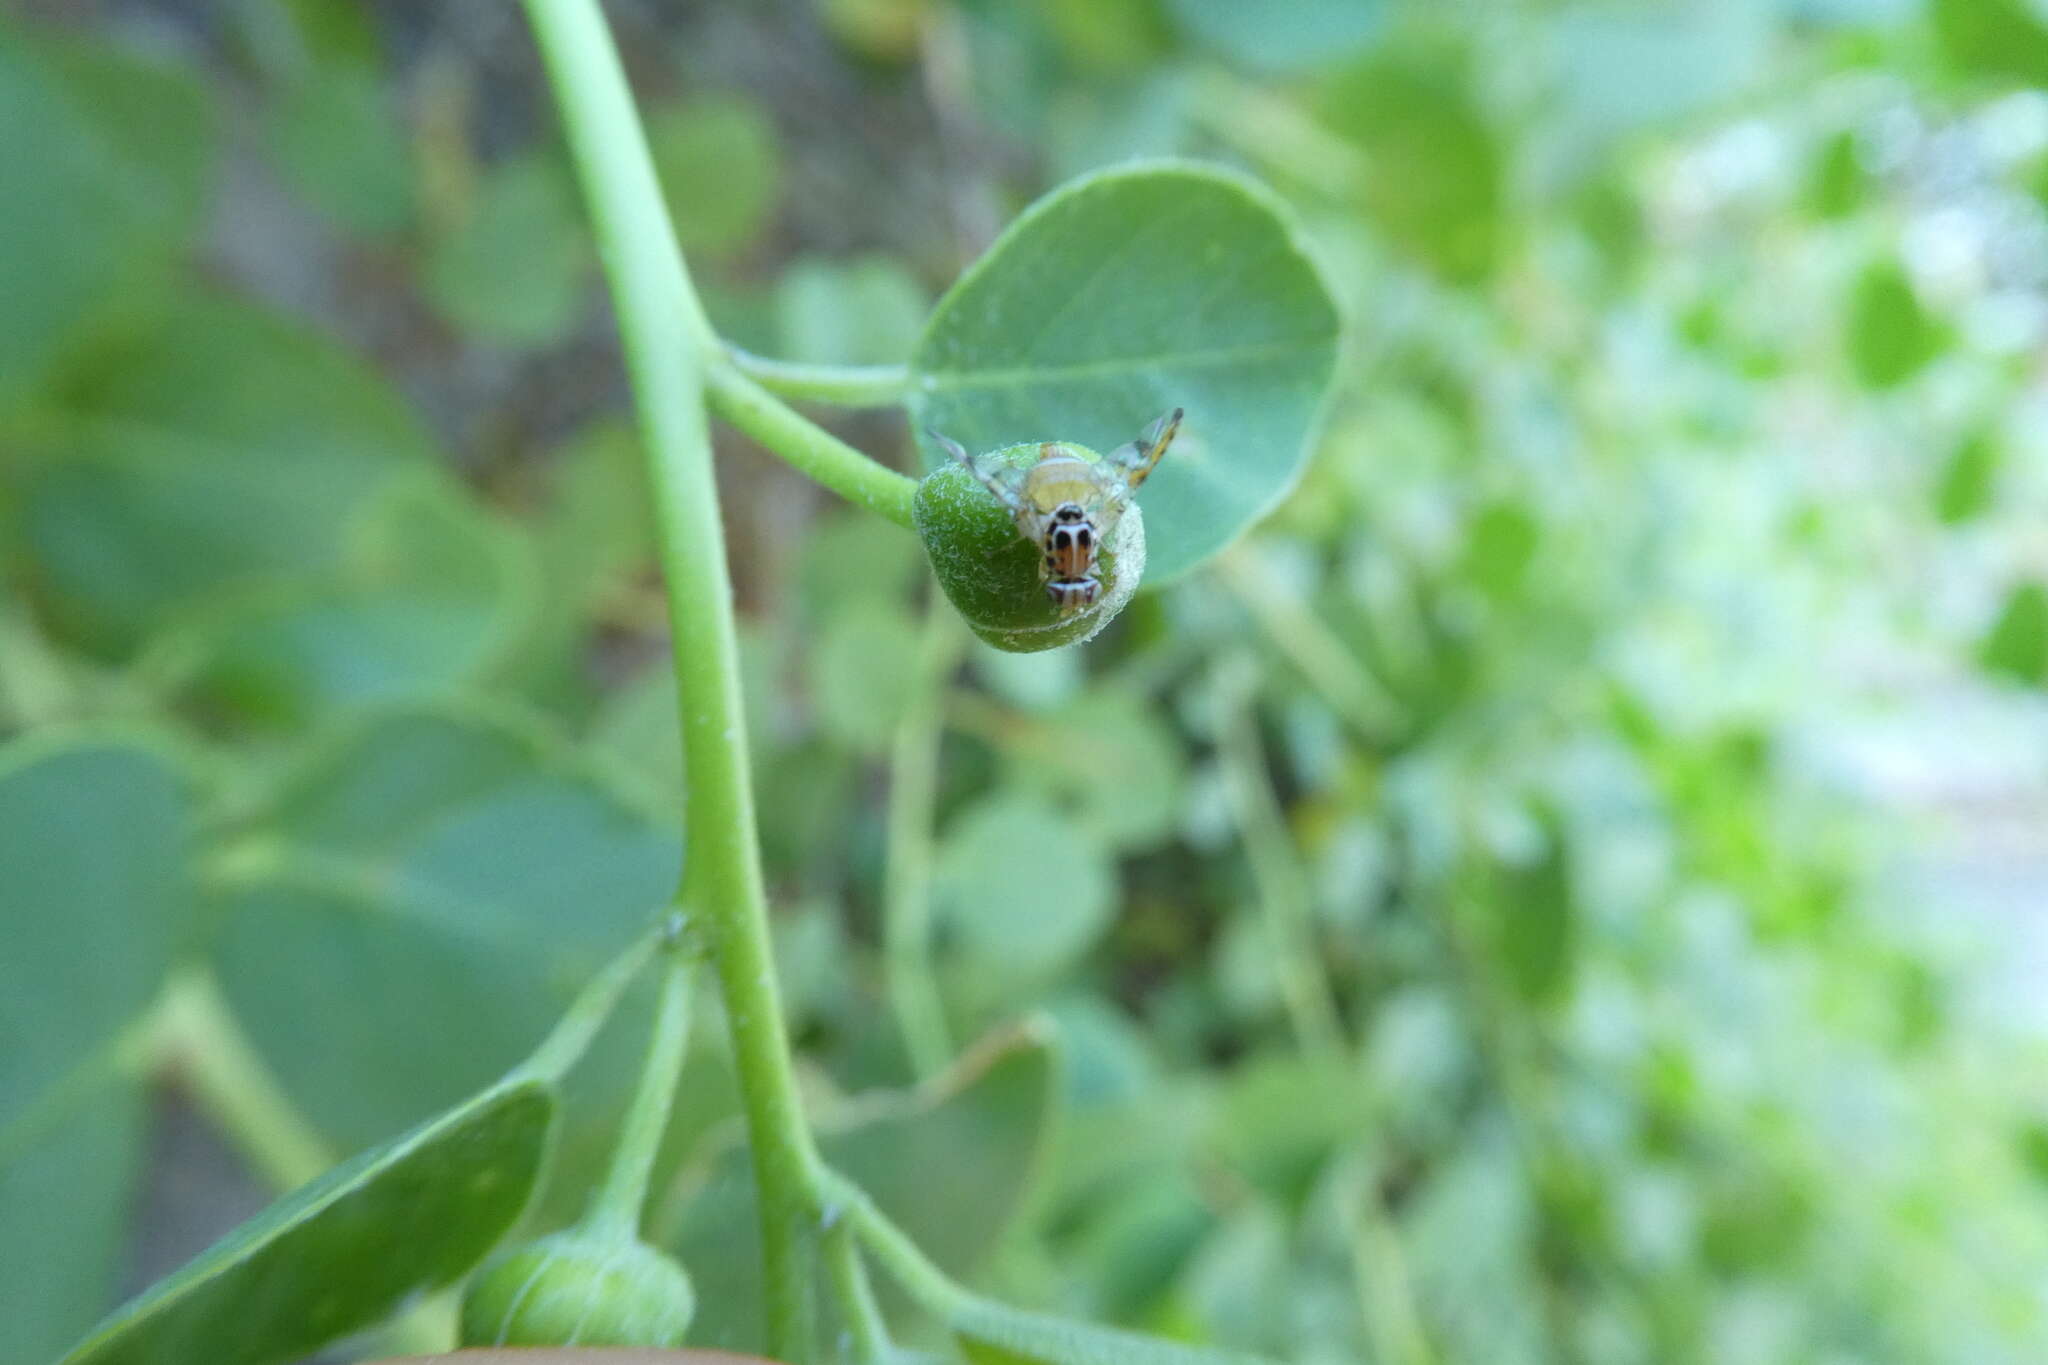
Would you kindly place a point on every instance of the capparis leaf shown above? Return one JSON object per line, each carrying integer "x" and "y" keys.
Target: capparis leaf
{"x": 455, "y": 866}
{"x": 94, "y": 898}
{"x": 342, "y": 1252}
{"x": 1120, "y": 296}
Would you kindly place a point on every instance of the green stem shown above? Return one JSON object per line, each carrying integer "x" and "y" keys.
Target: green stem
{"x": 906, "y": 879}
{"x": 669, "y": 346}
{"x": 1274, "y": 130}
{"x": 1331, "y": 668}
{"x": 1386, "y": 1295}
{"x": 932, "y": 1289}
{"x": 1499, "y": 1035}
{"x": 34, "y": 687}
{"x": 572, "y": 1034}
{"x": 615, "y": 1213}
{"x": 850, "y": 386}
{"x": 1284, "y": 899}
{"x": 813, "y": 450}
{"x": 857, "y": 1306}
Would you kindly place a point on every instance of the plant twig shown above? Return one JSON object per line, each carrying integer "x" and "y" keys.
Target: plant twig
{"x": 851, "y": 386}
{"x": 34, "y": 687}
{"x": 572, "y": 1034}
{"x": 1283, "y": 891}
{"x": 1386, "y": 1295}
{"x": 669, "y": 347}
{"x": 813, "y": 450}
{"x": 1279, "y": 133}
{"x": 618, "y": 1206}
{"x": 1332, "y": 669}
{"x": 932, "y": 1289}
{"x": 856, "y": 1296}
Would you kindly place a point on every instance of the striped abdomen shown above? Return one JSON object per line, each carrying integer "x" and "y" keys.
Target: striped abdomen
{"x": 1070, "y": 546}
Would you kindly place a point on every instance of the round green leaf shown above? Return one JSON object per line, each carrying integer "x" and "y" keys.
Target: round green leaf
{"x": 727, "y": 141}
{"x": 340, "y": 144}
{"x": 844, "y": 564}
{"x": 94, "y": 898}
{"x": 369, "y": 1010}
{"x": 2002, "y": 40}
{"x": 432, "y": 591}
{"x": 2016, "y": 647}
{"x": 343, "y": 1251}
{"x": 432, "y": 887}
{"x": 117, "y": 148}
{"x": 1891, "y": 336}
{"x": 514, "y": 272}
{"x": 1969, "y": 483}
{"x": 1839, "y": 183}
{"x": 1020, "y": 889}
{"x": 94, "y": 848}
{"x": 1278, "y": 1119}
{"x": 1281, "y": 35}
{"x": 65, "y": 1202}
{"x": 1436, "y": 188}
{"x": 867, "y": 311}
{"x": 1123, "y": 294}
{"x": 166, "y": 483}
{"x": 158, "y": 119}
{"x": 859, "y": 665}
{"x": 1111, "y": 760}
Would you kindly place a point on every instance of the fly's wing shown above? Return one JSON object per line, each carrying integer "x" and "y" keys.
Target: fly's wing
{"x": 1001, "y": 484}
{"x": 1136, "y": 460}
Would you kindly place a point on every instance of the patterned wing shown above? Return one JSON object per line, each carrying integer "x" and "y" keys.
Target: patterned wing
{"x": 1002, "y": 485}
{"x": 1135, "y": 461}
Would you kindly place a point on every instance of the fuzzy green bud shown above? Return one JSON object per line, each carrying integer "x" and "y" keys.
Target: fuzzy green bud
{"x": 994, "y": 577}
{"x": 575, "y": 1290}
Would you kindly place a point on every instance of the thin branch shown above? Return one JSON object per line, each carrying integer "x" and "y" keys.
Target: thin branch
{"x": 669, "y": 346}
{"x": 1283, "y": 892}
{"x": 808, "y": 447}
{"x": 848, "y": 386}
{"x": 856, "y": 1296}
{"x": 618, "y": 1206}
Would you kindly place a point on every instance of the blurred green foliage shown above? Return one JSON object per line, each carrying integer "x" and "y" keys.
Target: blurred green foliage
{"x": 1647, "y": 672}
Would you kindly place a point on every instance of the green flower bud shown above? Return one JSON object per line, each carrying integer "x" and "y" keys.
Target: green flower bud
{"x": 575, "y": 1290}
{"x": 994, "y": 577}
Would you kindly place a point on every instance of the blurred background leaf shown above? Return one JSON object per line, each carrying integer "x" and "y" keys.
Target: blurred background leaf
{"x": 423, "y": 896}
{"x": 515, "y": 272}
{"x": 1644, "y": 648}
{"x": 95, "y": 839}
{"x": 118, "y": 148}
{"x": 341, "y": 1252}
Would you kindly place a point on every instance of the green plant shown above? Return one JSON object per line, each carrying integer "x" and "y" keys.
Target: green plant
{"x": 1514, "y": 904}
{"x": 1152, "y": 283}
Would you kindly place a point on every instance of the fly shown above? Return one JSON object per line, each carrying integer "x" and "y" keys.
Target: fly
{"x": 1066, "y": 504}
